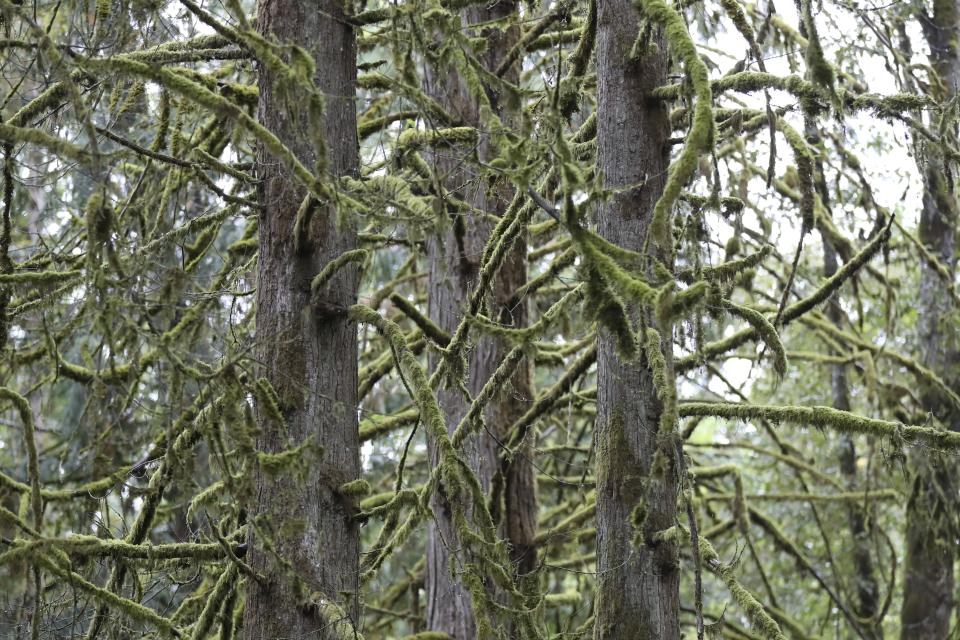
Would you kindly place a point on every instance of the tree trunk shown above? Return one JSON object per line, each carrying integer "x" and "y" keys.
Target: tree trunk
{"x": 307, "y": 349}
{"x": 638, "y": 587}
{"x": 928, "y": 588}
{"x": 454, "y": 257}
{"x": 864, "y": 576}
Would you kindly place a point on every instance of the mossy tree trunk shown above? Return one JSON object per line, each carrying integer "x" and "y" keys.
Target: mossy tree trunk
{"x": 638, "y": 585}
{"x": 931, "y": 534}
{"x": 307, "y": 349}
{"x": 454, "y": 256}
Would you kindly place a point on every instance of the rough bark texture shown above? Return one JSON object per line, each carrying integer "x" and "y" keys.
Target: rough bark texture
{"x": 638, "y": 594}
{"x": 309, "y": 357}
{"x": 928, "y": 587}
{"x": 454, "y": 257}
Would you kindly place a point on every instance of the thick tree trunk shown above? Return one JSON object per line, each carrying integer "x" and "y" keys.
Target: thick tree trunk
{"x": 928, "y": 587}
{"x": 454, "y": 266}
{"x": 449, "y": 606}
{"x": 310, "y": 357}
{"x": 638, "y": 587}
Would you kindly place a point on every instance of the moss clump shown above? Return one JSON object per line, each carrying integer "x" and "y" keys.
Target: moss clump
{"x": 821, "y": 71}
{"x": 355, "y": 488}
{"x": 766, "y": 331}
{"x": 296, "y": 461}
{"x": 99, "y": 217}
{"x": 40, "y": 278}
{"x": 416, "y": 139}
{"x": 269, "y": 402}
{"x": 22, "y": 406}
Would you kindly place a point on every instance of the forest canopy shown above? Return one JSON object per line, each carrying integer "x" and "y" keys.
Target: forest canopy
{"x": 436, "y": 319}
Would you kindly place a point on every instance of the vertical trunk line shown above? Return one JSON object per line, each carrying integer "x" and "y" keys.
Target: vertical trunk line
{"x": 928, "y": 587}
{"x": 454, "y": 259}
{"x": 867, "y": 588}
{"x": 306, "y": 348}
{"x": 638, "y": 586}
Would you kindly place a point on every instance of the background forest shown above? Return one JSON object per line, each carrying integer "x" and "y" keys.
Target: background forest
{"x": 479, "y": 319}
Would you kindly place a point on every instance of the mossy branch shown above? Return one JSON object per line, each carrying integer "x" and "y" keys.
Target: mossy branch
{"x": 427, "y": 326}
{"x": 826, "y": 418}
{"x": 417, "y": 139}
{"x": 320, "y": 280}
{"x": 107, "y": 598}
{"x": 827, "y": 288}
{"x": 766, "y": 331}
{"x": 758, "y": 615}
{"x": 30, "y": 442}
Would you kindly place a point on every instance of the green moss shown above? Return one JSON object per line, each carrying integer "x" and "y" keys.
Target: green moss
{"x": 40, "y": 278}
{"x": 569, "y": 90}
{"x": 805, "y": 170}
{"x": 732, "y": 247}
{"x": 129, "y": 608}
{"x": 269, "y": 403}
{"x": 766, "y": 331}
{"x": 699, "y": 139}
{"x": 524, "y": 335}
{"x": 732, "y": 268}
{"x": 295, "y": 461}
{"x": 759, "y": 617}
{"x": 22, "y": 406}
{"x": 663, "y": 382}
{"x": 799, "y": 308}
{"x": 415, "y": 139}
{"x": 226, "y": 584}
{"x": 682, "y": 303}
{"x": 321, "y": 279}
{"x": 826, "y": 418}
{"x": 355, "y": 488}
{"x": 201, "y": 95}
{"x": 821, "y": 71}
{"x": 750, "y": 82}
{"x": 431, "y": 330}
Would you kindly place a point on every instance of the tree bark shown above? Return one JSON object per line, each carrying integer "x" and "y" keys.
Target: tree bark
{"x": 638, "y": 586}
{"x": 307, "y": 349}
{"x": 864, "y": 576}
{"x": 454, "y": 257}
{"x": 931, "y": 531}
